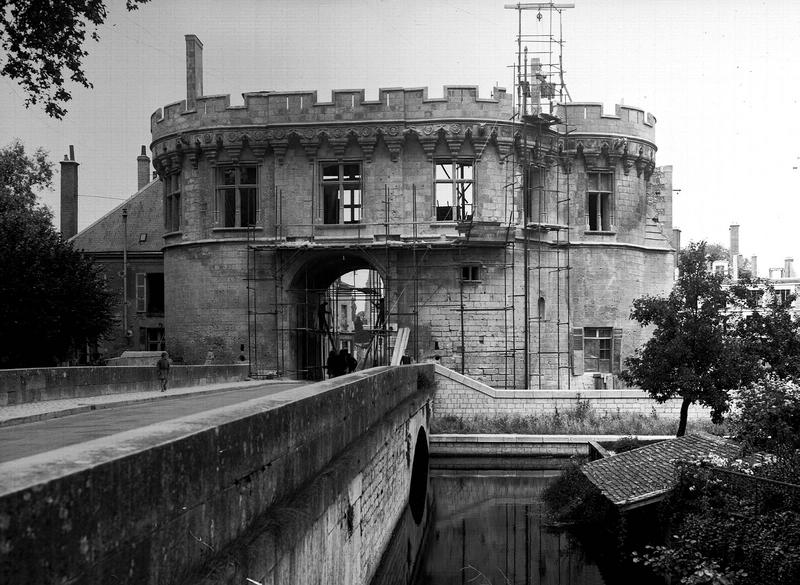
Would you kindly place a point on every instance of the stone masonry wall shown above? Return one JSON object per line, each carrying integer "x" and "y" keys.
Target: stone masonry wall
{"x": 175, "y": 502}
{"x": 459, "y": 396}
{"x": 36, "y": 384}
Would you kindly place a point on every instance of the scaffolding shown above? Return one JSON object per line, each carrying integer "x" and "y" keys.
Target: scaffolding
{"x": 543, "y": 174}
{"x": 406, "y": 278}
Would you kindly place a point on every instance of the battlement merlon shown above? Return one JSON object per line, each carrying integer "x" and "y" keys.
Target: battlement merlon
{"x": 588, "y": 118}
{"x": 346, "y": 105}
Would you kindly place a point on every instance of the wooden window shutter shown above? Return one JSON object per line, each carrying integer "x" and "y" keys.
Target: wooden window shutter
{"x": 141, "y": 291}
{"x": 577, "y": 351}
{"x": 616, "y": 350}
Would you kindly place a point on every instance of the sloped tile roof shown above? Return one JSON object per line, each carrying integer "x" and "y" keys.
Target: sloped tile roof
{"x": 648, "y": 472}
{"x": 145, "y": 216}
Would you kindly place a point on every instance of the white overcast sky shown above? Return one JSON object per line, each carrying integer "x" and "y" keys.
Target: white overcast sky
{"x": 721, "y": 77}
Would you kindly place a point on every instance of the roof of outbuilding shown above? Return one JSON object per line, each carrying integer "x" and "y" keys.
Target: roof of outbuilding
{"x": 145, "y": 216}
{"x": 648, "y": 473}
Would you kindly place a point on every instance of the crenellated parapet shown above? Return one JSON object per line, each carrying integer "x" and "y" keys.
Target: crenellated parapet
{"x": 276, "y": 122}
{"x": 627, "y": 137}
{"x": 288, "y": 108}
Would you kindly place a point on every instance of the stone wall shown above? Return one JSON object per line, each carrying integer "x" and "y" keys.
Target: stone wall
{"x": 460, "y": 396}
{"x": 298, "y": 487}
{"x": 34, "y": 384}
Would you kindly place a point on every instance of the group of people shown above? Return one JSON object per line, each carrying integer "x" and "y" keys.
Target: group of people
{"x": 341, "y": 363}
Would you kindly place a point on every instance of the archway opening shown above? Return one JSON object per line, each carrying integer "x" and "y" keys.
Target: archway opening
{"x": 418, "y": 491}
{"x": 339, "y": 303}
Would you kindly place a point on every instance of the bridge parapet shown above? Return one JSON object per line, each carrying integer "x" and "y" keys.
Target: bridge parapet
{"x": 171, "y": 502}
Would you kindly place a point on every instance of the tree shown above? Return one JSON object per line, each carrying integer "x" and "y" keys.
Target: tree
{"x": 43, "y": 42}
{"x": 766, "y": 328}
{"x": 53, "y": 300}
{"x": 691, "y": 353}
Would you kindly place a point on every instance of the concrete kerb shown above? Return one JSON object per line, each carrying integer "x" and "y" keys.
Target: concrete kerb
{"x": 39, "y": 411}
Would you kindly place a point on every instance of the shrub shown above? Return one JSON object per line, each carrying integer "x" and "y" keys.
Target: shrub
{"x": 625, "y": 444}
{"x": 730, "y": 525}
{"x": 573, "y": 498}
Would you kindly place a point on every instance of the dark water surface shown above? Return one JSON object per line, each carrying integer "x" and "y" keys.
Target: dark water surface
{"x": 490, "y": 528}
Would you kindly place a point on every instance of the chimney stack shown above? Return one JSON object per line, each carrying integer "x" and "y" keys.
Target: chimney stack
{"x": 194, "y": 71}
{"x": 734, "y": 240}
{"x": 734, "y": 251}
{"x": 788, "y": 267}
{"x": 143, "y": 169}
{"x": 69, "y": 195}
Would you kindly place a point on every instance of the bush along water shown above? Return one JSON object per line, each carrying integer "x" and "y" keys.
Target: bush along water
{"x": 729, "y": 523}
{"x": 605, "y": 534}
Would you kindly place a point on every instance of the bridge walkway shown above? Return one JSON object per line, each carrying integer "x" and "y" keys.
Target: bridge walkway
{"x": 30, "y": 429}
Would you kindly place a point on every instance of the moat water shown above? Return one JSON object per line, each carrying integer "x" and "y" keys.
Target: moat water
{"x": 491, "y": 528}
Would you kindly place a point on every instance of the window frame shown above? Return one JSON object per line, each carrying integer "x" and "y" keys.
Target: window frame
{"x": 471, "y": 273}
{"x": 536, "y": 196}
{"x": 603, "y": 217}
{"x": 458, "y": 211}
{"x": 172, "y": 202}
{"x": 595, "y": 363}
{"x": 144, "y": 291}
{"x": 152, "y": 338}
{"x": 236, "y": 205}
{"x": 349, "y": 209}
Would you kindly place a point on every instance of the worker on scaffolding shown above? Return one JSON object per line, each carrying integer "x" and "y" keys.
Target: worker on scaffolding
{"x": 322, "y": 316}
{"x": 380, "y": 306}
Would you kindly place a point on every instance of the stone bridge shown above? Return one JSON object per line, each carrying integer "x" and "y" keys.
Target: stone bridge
{"x": 303, "y": 486}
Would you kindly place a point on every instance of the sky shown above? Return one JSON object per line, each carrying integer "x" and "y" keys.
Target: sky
{"x": 721, "y": 77}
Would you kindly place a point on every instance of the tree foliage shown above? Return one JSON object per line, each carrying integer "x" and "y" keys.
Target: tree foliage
{"x": 53, "y": 300}
{"x": 730, "y": 524}
{"x": 689, "y": 354}
{"x": 711, "y": 338}
{"x": 43, "y": 44}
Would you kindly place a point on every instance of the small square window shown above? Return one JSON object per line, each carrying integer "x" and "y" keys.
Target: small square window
{"x": 470, "y": 273}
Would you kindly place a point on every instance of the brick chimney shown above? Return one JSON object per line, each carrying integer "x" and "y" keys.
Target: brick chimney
{"x": 194, "y": 71}
{"x": 734, "y": 240}
{"x": 69, "y": 195}
{"x": 143, "y": 169}
{"x": 788, "y": 267}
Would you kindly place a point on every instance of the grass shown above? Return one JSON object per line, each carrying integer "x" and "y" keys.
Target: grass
{"x": 580, "y": 420}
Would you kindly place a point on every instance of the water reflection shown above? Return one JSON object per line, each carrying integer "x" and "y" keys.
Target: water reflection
{"x": 488, "y": 529}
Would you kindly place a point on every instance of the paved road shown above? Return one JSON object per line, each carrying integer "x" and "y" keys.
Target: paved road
{"x": 38, "y": 437}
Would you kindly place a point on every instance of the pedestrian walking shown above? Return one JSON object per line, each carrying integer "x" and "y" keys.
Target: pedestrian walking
{"x": 163, "y": 371}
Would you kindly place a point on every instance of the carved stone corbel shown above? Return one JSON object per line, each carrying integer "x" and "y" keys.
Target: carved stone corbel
{"x": 429, "y": 144}
{"x": 279, "y": 147}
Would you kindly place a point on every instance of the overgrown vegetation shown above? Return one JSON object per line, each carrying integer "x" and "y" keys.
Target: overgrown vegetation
{"x": 573, "y": 498}
{"x": 575, "y": 421}
{"x": 730, "y": 525}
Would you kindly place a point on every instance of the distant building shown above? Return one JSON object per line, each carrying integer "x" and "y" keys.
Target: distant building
{"x": 128, "y": 243}
{"x": 509, "y": 248}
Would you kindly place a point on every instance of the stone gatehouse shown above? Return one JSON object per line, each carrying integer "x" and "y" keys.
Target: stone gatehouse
{"x": 508, "y": 248}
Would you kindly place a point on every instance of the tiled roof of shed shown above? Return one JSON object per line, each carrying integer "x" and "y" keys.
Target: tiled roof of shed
{"x": 145, "y": 215}
{"x": 648, "y": 472}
